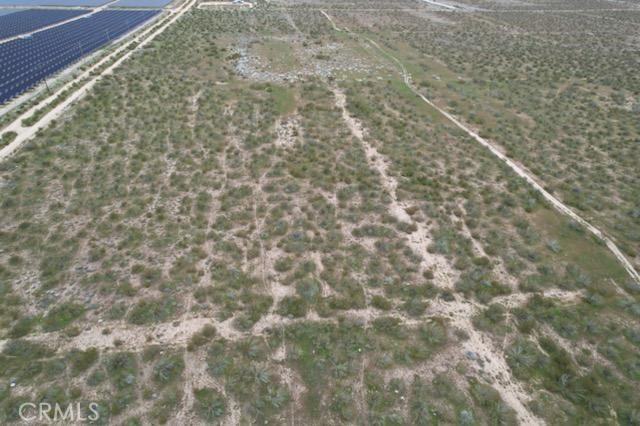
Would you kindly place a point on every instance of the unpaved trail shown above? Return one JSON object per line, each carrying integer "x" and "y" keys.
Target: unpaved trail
{"x": 205, "y": 4}
{"x": 291, "y": 22}
{"x": 519, "y": 169}
{"x": 440, "y": 4}
{"x": 333, "y": 24}
{"x": 177, "y": 333}
{"x": 518, "y": 299}
{"x": 196, "y": 377}
{"x": 418, "y": 240}
{"x": 25, "y": 133}
{"x": 132, "y": 337}
{"x": 489, "y": 360}
{"x": 486, "y": 358}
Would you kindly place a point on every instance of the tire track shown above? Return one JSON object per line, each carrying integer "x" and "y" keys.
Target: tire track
{"x": 490, "y": 361}
{"x": 519, "y": 169}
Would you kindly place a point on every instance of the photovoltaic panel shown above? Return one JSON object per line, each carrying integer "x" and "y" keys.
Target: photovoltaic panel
{"x": 26, "y": 61}
{"x": 4, "y": 12}
{"x": 88, "y": 3}
{"x": 141, "y": 3}
{"x": 33, "y": 19}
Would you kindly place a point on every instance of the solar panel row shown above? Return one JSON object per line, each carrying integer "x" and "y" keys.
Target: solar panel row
{"x": 30, "y": 20}
{"x": 87, "y": 3}
{"x": 4, "y": 12}
{"x": 25, "y": 62}
{"x": 140, "y": 3}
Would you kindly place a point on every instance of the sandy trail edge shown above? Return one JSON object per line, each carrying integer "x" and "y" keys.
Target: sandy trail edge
{"x": 517, "y": 168}
{"x": 490, "y": 361}
{"x": 418, "y": 240}
{"x": 520, "y": 171}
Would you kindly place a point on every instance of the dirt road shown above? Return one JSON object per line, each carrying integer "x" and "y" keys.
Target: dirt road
{"x": 519, "y": 169}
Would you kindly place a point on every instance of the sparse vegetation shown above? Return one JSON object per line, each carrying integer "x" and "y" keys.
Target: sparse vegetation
{"x": 211, "y": 236}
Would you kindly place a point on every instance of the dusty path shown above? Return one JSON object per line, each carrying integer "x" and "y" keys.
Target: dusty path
{"x": 418, "y": 240}
{"x": 25, "y": 133}
{"x": 333, "y": 24}
{"x": 214, "y": 4}
{"x": 490, "y": 364}
{"x": 121, "y": 335}
{"x": 489, "y": 360}
{"x": 440, "y": 4}
{"x": 291, "y": 22}
{"x": 517, "y": 168}
{"x": 177, "y": 332}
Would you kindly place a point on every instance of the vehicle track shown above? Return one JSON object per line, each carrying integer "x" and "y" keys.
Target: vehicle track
{"x": 418, "y": 240}
{"x": 490, "y": 361}
{"x": 519, "y": 169}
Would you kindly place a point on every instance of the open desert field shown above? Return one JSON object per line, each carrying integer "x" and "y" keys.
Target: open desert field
{"x": 329, "y": 212}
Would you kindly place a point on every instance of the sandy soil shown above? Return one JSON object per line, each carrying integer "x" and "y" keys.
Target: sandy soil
{"x": 519, "y": 169}
{"x": 418, "y": 240}
{"x": 287, "y": 131}
{"x": 490, "y": 363}
{"x": 215, "y": 4}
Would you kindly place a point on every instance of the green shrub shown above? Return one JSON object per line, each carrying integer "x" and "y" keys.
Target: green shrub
{"x": 23, "y": 326}
{"x": 381, "y": 302}
{"x": 23, "y": 360}
{"x": 152, "y": 310}
{"x": 210, "y": 405}
{"x": 205, "y": 335}
{"x": 62, "y": 315}
{"x": 292, "y": 306}
{"x": 26, "y": 350}
{"x": 7, "y": 138}
{"x": 168, "y": 369}
{"x": 121, "y": 369}
{"x": 82, "y": 360}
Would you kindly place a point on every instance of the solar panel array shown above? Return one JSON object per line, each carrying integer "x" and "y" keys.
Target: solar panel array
{"x": 87, "y": 3}
{"x": 4, "y": 12}
{"x": 140, "y": 3}
{"x": 25, "y": 62}
{"x": 30, "y": 20}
